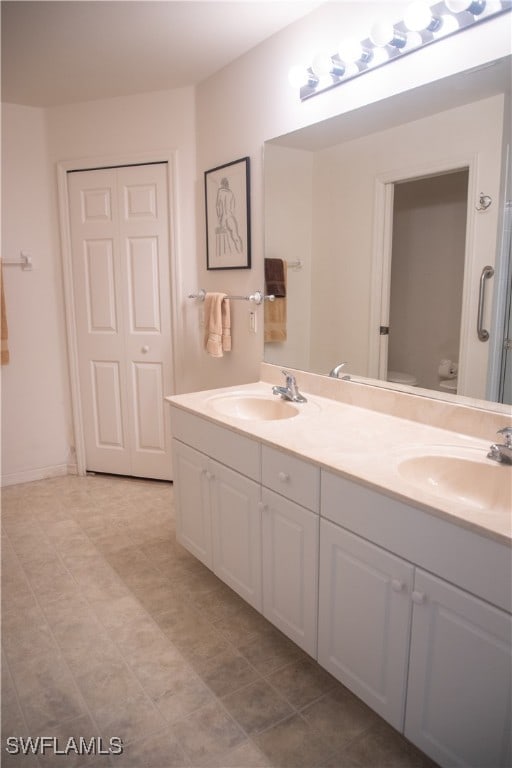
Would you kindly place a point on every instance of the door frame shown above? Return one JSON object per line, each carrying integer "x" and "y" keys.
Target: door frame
{"x": 98, "y": 163}
{"x": 382, "y": 249}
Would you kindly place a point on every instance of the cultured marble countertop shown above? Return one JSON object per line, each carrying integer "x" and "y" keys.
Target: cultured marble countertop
{"x": 367, "y": 446}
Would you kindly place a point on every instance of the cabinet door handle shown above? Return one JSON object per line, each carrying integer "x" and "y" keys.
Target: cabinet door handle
{"x": 418, "y": 597}
{"x": 209, "y": 475}
{"x": 283, "y": 477}
{"x": 397, "y": 585}
{"x": 262, "y": 506}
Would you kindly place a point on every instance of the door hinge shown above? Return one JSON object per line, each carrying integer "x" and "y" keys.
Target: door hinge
{"x": 384, "y": 330}
{"x": 507, "y": 345}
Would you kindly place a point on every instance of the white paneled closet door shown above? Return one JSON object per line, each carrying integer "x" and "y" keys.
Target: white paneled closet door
{"x": 121, "y": 280}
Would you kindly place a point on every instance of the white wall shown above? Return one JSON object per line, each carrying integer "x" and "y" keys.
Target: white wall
{"x": 427, "y": 275}
{"x": 288, "y": 226}
{"x": 36, "y": 422}
{"x": 345, "y": 181}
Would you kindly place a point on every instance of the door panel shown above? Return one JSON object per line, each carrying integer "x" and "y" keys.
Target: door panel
{"x": 143, "y": 285}
{"x": 121, "y": 277}
{"x": 107, "y": 404}
{"x": 99, "y": 287}
{"x": 148, "y": 406}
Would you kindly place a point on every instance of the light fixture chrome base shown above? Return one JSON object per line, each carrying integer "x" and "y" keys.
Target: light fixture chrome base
{"x": 463, "y": 20}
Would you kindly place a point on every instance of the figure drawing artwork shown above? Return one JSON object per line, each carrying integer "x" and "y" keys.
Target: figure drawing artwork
{"x": 228, "y": 233}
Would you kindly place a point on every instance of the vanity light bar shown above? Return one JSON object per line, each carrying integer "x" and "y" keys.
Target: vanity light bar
{"x": 421, "y": 26}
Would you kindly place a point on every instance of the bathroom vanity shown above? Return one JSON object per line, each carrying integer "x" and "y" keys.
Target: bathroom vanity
{"x": 379, "y": 543}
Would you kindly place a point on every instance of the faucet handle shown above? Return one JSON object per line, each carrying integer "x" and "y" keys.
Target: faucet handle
{"x": 290, "y": 378}
{"x": 507, "y": 433}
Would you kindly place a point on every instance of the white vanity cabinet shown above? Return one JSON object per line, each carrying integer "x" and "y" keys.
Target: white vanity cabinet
{"x": 290, "y": 546}
{"x": 364, "y": 619}
{"x": 218, "y": 509}
{"x": 460, "y": 677}
{"x": 192, "y": 493}
{"x": 427, "y": 655}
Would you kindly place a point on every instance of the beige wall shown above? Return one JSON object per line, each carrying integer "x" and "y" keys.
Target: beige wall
{"x": 234, "y": 112}
{"x": 36, "y": 419}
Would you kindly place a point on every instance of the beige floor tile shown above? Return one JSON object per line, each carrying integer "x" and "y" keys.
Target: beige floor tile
{"x": 245, "y": 625}
{"x": 383, "y": 747}
{"x": 257, "y": 707}
{"x": 340, "y": 717}
{"x": 47, "y": 693}
{"x": 293, "y": 744}
{"x": 246, "y": 755}
{"x": 270, "y": 651}
{"x": 159, "y": 750}
{"x": 207, "y": 732}
{"x": 12, "y": 718}
{"x": 184, "y": 693}
{"x": 226, "y": 672}
{"x": 302, "y": 682}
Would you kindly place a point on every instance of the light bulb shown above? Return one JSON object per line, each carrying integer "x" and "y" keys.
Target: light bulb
{"x": 298, "y": 76}
{"x": 475, "y": 7}
{"x": 380, "y": 56}
{"x": 350, "y": 50}
{"x": 383, "y": 33}
{"x": 414, "y": 40}
{"x": 321, "y": 64}
{"x": 418, "y": 17}
{"x": 448, "y": 25}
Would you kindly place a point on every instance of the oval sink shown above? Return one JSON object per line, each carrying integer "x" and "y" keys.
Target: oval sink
{"x": 254, "y": 407}
{"x": 477, "y": 483}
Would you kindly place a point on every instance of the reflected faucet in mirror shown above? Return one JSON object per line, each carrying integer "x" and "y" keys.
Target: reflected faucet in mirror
{"x": 335, "y": 372}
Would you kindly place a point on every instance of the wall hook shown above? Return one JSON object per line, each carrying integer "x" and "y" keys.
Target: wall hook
{"x": 485, "y": 201}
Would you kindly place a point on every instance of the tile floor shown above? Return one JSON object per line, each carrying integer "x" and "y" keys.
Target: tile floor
{"x": 111, "y": 629}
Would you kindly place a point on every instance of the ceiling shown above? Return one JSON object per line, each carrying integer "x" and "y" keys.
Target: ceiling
{"x": 67, "y": 51}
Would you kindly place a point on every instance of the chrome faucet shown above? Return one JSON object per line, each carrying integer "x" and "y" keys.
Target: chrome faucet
{"x": 335, "y": 373}
{"x": 290, "y": 391}
{"x": 502, "y": 453}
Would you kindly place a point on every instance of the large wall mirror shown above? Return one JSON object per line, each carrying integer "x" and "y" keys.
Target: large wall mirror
{"x": 385, "y": 219}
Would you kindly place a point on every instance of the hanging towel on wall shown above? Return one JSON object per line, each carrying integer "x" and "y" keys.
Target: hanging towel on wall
{"x": 274, "y": 312}
{"x": 275, "y": 280}
{"x": 4, "y": 355}
{"x": 217, "y": 324}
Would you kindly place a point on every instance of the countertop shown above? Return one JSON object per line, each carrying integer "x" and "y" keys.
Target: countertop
{"x": 367, "y": 447}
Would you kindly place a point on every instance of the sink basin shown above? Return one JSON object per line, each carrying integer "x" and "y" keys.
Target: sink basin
{"x": 476, "y": 482}
{"x": 254, "y": 407}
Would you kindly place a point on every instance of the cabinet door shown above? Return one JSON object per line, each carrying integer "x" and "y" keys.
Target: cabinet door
{"x": 458, "y": 699}
{"x": 364, "y": 619}
{"x": 192, "y": 501}
{"x": 236, "y": 516}
{"x": 290, "y": 568}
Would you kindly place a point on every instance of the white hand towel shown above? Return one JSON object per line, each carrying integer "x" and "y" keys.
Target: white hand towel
{"x": 217, "y": 324}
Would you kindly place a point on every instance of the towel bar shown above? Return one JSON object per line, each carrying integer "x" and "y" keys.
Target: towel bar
{"x": 257, "y": 297}
{"x": 25, "y": 261}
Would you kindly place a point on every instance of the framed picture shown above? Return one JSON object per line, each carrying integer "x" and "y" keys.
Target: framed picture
{"x": 228, "y": 224}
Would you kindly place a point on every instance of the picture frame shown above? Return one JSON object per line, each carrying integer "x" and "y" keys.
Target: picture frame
{"x": 228, "y": 216}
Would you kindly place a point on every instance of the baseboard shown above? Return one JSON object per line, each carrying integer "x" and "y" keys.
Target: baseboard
{"x": 41, "y": 473}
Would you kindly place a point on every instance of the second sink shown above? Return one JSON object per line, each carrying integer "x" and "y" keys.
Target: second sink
{"x": 469, "y": 479}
